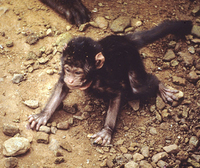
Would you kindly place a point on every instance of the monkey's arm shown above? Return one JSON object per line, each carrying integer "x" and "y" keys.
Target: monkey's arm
{"x": 73, "y": 10}
{"x": 106, "y": 133}
{"x": 59, "y": 93}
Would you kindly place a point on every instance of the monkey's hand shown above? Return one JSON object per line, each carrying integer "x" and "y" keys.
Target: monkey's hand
{"x": 76, "y": 12}
{"x": 105, "y": 135}
{"x": 73, "y": 10}
{"x": 167, "y": 94}
{"x": 36, "y": 120}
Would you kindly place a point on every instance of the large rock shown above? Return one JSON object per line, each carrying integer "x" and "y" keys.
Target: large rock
{"x": 120, "y": 24}
{"x": 10, "y": 130}
{"x": 15, "y": 146}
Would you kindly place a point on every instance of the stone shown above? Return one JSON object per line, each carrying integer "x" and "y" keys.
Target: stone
{"x": 153, "y": 131}
{"x": 188, "y": 59}
{"x": 165, "y": 114}
{"x": 43, "y": 60}
{"x": 182, "y": 155}
{"x": 158, "y": 116}
{"x": 196, "y": 30}
{"x": 123, "y": 149}
{"x": 63, "y": 125}
{"x": 119, "y": 24}
{"x": 194, "y": 141}
{"x": 193, "y": 163}
{"x": 169, "y": 55}
{"x": 131, "y": 164}
{"x": 31, "y": 56}
{"x": 17, "y": 78}
{"x": 159, "y": 156}
{"x": 15, "y": 146}
{"x": 45, "y": 129}
{"x": 160, "y": 104}
{"x": 137, "y": 157}
{"x": 145, "y": 164}
{"x": 197, "y": 64}
{"x": 54, "y": 145}
{"x": 178, "y": 80}
{"x": 109, "y": 162}
{"x": 10, "y": 130}
{"x": 135, "y": 23}
{"x": 191, "y": 49}
{"x": 32, "y": 39}
{"x": 171, "y": 148}
{"x": 162, "y": 164}
{"x": 10, "y": 162}
{"x": 83, "y": 27}
{"x": 42, "y": 137}
{"x": 120, "y": 159}
{"x": 63, "y": 39}
{"x": 192, "y": 77}
{"x": 31, "y": 103}
{"x": 9, "y": 44}
{"x": 65, "y": 145}
{"x": 59, "y": 160}
{"x": 128, "y": 156}
{"x": 145, "y": 151}
{"x": 102, "y": 22}
{"x": 196, "y": 157}
{"x": 196, "y": 11}
{"x": 53, "y": 130}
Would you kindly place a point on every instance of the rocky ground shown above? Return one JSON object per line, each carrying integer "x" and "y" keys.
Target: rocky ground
{"x": 148, "y": 134}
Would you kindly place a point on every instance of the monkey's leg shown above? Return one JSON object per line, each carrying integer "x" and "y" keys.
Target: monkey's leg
{"x": 106, "y": 133}
{"x": 73, "y": 10}
{"x": 59, "y": 93}
{"x": 149, "y": 86}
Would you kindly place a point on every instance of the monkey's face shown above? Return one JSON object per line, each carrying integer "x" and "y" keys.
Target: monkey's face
{"x": 75, "y": 78}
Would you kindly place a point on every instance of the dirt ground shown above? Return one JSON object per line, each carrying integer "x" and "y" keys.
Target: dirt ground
{"x": 18, "y": 16}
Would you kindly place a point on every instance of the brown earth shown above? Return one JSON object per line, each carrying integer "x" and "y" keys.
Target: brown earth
{"x": 21, "y": 16}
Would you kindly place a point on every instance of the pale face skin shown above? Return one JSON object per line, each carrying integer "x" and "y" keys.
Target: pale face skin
{"x": 74, "y": 77}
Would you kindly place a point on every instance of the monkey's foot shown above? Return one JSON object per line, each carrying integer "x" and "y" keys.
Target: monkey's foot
{"x": 36, "y": 120}
{"x": 105, "y": 135}
{"x": 167, "y": 94}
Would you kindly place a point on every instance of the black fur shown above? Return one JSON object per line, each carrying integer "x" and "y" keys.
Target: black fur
{"x": 123, "y": 69}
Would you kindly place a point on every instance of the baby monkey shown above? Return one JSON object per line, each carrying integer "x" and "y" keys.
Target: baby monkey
{"x": 110, "y": 68}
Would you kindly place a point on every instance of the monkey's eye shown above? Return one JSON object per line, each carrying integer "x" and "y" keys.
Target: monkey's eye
{"x": 78, "y": 72}
{"x": 67, "y": 70}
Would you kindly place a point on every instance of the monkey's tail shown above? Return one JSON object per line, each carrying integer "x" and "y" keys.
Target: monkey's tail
{"x": 178, "y": 28}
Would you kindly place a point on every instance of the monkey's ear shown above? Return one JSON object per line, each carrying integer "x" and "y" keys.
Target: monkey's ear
{"x": 100, "y": 59}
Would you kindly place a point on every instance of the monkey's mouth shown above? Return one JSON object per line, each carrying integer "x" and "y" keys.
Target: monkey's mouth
{"x": 84, "y": 86}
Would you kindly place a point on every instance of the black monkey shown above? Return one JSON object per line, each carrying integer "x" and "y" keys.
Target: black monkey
{"x": 73, "y": 10}
{"x": 110, "y": 68}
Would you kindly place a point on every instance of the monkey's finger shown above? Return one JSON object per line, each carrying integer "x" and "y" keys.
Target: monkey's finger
{"x": 105, "y": 140}
{"x": 163, "y": 97}
{"x": 94, "y": 136}
{"x": 40, "y": 122}
{"x": 97, "y": 140}
{"x": 169, "y": 99}
{"x": 171, "y": 96}
{"x": 172, "y": 91}
{"x": 33, "y": 124}
{"x": 174, "y": 97}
